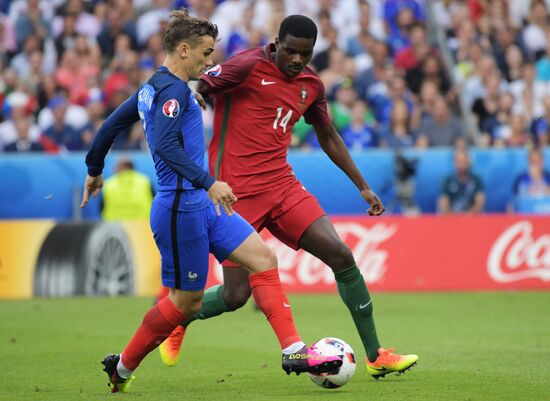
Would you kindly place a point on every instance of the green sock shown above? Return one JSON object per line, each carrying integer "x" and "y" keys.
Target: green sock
{"x": 212, "y": 305}
{"x": 355, "y": 295}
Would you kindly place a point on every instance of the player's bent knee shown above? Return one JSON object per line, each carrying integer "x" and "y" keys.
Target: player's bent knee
{"x": 236, "y": 296}
{"x": 264, "y": 260}
{"x": 237, "y": 299}
{"x": 187, "y": 302}
{"x": 270, "y": 259}
{"x": 340, "y": 257}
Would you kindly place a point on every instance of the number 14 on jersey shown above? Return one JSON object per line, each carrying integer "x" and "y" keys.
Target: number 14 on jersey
{"x": 282, "y": 122}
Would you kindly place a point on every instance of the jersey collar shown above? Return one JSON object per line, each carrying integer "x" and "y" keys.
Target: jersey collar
{"x": 269, "y": 49}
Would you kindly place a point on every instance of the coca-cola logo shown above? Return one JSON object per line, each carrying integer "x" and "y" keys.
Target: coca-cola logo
{"x": 303, "y": 269}
{"x": 517, "y": 255}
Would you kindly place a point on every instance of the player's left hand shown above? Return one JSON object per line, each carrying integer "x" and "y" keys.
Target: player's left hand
{"x": 376, "y": 206}
{"x": 92, "y": 186}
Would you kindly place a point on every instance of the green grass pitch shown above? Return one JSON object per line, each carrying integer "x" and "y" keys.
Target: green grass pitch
{"x": 472, "y": 347}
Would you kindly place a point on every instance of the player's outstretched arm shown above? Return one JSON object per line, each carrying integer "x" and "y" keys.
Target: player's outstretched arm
{"x": 334, "y": 147}
{"x": 121, "y": 119}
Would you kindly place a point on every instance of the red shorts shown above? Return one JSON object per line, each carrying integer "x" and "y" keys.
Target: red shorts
{"x": 286, "y": 212}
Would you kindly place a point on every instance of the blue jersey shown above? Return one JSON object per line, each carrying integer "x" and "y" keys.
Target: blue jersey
{"x": 173, "y": 127}
{"x": 183, "y": 220}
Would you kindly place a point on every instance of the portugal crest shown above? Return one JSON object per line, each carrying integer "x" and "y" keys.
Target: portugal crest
{"x": 171, "y": 108}
{"x": 303, "y": 96}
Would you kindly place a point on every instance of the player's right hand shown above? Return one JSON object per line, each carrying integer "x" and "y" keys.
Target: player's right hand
{"x": 221, "y": 194}
{"x": 92, "y": 186}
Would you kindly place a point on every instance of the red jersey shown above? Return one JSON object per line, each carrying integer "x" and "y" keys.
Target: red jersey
{"x": 255, "y": 108}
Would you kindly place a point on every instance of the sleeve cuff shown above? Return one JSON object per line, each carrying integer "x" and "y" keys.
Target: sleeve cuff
{"x": 208, "y": 182}
{"x": 94, "y": 171}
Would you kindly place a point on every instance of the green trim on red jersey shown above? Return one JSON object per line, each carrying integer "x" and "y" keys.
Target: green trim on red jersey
{"x": 266, "y": 52}
{"x": 223, "y": 134}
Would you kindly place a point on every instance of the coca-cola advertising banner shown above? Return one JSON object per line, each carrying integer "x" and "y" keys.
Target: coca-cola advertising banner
{"x": 428, "y": 253}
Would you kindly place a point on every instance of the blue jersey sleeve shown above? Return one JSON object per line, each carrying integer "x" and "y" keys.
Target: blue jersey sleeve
{"x": 171, "y": 104}
{"x": 123, "y": 117}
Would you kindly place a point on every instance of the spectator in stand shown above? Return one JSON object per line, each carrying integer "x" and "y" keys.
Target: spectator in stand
{"x": 514, "y": 61}
{"x": 75, "y": 115}
{"x": 513, "y": 135}
{"x": 485, "y": 108}
{"x": 359, "y": 135}
{"x": 17, "y": 105}
{"x": 340, "y": 68}
{"x": 541, "y": 126}
{"x": 8, "y": 44}
{"x": 21, "y": 61}
{"x": 324, "y": 59}
{"x": 23, "y": 143}
{"x": 343, "y": 103}
{"x": 398, "y": 133}
{"x": 431, "y": 69}
{"x": 32, "y": 22}
{"x": 528, "y": 93}
{"x": 462, "y": 191}
{"x": 535, "y": 182}
{"x": 534, "y": 34}
{"x": 419, "y": 47}
{"x": 392, "y": 8}
{"x": 498, "y": 125}
{"x": 504, "y": 37}
{"x": 244, "y": 35}
{"x": 440, "y": 128}
{"x": 475, "y": 86}
{"x": 150, "y": 22}
{"x": 67, "y": 37}
{"x": 61, "y": 135}
{"x": 74, "y": 75}
{"x": 397, "y": 90}
{"x": 399, "y": 40}
{"x": 113, "y": 28}
{"x": 543, "y": 64}
{"x": 31, "y": 80}
{"x": 86, "y": 23}
{"x": 424, "y": 103}
{"x": 376, "y": 73}
{"x": 96, "y": 112}
{"x": 369, "y": 21}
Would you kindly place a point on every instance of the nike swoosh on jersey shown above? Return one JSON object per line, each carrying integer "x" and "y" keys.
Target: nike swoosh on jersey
{"x": 264, "y": 82}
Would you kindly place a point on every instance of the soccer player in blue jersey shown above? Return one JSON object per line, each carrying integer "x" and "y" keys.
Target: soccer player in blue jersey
{"x": 192, "y": 213}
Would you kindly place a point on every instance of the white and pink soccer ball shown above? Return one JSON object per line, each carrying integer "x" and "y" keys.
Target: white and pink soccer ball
{"x": 331, "y": 346}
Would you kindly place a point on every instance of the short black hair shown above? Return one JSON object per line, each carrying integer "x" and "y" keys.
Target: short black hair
{"x": 298, "y": 26}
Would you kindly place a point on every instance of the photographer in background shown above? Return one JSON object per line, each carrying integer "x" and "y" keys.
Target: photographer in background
{"x": 462, "y": 191}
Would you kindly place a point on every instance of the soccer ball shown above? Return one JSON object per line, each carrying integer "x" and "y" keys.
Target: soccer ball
{"x": 335, "y": 346}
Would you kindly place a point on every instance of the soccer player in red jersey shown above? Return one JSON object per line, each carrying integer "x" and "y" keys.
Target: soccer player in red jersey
{"x": 258, "y": 96}
{"x": 191, "y": 214}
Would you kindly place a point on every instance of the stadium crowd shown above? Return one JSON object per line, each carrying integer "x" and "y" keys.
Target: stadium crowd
{"x": 66, "y": 64}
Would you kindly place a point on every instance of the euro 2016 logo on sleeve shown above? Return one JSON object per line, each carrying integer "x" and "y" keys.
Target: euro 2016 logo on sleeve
{"x": 171, "y": 108}
{"x": 214, "y": 71}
